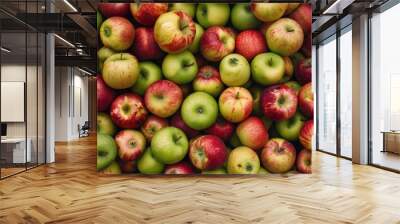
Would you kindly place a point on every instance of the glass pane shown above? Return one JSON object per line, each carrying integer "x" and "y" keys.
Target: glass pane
{"x": 41, "y": 99}
{"x": 327, "y": 96}
{"x": 346, "y": 93}
{"x": 385, "y": 86}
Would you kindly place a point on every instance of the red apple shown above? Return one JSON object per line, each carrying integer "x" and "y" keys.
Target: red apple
{"x": 303, "y": 161}
{"x": 249, "y": 43}
{"x": 222, "y": 129}
{"x": 279, "y": 102}
{"x": 163, "y": 98}
{"x": 178, "y": 122}
{"x": 105, "y": 95}
{"x": 179, "y": 168}
{"x": 306, "y": 100}
{"x": 151, "y": 125}
{"x": 131, "y": 144}
{"x": 278, "y": 155}
{"x": 208, "y": 152}
{"x": 252, "y": 133}
{"x": 174, "y": 31}
{"x": 307, "y": 46}
{"x": 117, "y": 33}
{"x": 147, "y": 13}
{"x": 145, "y": 47}
{"x": 217, "y": 42}
{"x": 303, "y": 16}
{"x": 303, "y": 71}
{"x": 208, "y": 80}
{"x": 128, "y": 166}
{"x": 306, "y": 134}
{"x": 128, "y": 111}
{"x": 235, "y": 104}
{"x": 113, "y": 9}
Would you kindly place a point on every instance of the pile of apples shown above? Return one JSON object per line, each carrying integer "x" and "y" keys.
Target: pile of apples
{"x": 205, "y": 88}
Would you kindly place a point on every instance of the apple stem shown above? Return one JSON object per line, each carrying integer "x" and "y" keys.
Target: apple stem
{"x": 233, "y": 61}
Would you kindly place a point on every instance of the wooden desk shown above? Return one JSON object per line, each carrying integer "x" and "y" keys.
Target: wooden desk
{"x": 391, "y": 141}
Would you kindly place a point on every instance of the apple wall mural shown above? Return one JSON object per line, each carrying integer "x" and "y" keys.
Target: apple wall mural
{"x": 205, "y": 88}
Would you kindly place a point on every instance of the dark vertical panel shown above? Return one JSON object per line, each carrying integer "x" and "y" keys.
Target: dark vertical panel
{"x": 338, "y": 100}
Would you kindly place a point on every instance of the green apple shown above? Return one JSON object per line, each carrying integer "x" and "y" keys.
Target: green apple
{"x": 212, "y": 14}
{"x": 267, "y": 68}
{"x": 262, "y": 171}
{"x": 102, "y": 54}
{"x": 290, "y": 129}
{"x": 217, "y": 171}
{"x": 149, "y": 72}
{"x": 199, "y": 110}
{"x": 267, "y": 122}
{"x": 188, "y": 8}
{"x": 243, "y": 160}
{"x": 106, "y": 151}
{"x": 234, "y": 70}
{"x": 195, "y": 46}
{"x": 113, "y": 168}
{"x": 105, "y": 124}
{"x": 99, "y": 19}
{"x": 242, "y": 18}
{"x": 180, "y": 68}
{"x": 147, "y": 164}
{"x": 169, "y": 145}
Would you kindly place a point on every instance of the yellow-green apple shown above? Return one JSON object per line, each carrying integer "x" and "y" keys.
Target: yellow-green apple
{"x": 306, "y": 100}
{"x": 180, "y": 68}
{"x": 303, "y": 71}
{"x": 113, "y": 9}
{"x": 256, "y": 92}
{"x": 216, "y": 171}
{"x": 291, "y": 7}
{"x": 279, "y": 102}
{"x": 268, "y": 12}
{"x": 120, "y": 71}
{"x": 147, "y": 164}
{"x": 105, "y": 124}
{"x": 217, "y": 42}
{"x": 105, "y": 95}
{"x": 179, "y": 168}
{"x": 106, "y": 151}
{"x": 303, "y": 161}
{"x": 207, "y": 152}
{"x": 130, "y": 143}
{"x": 199, "y": 110}
{"x": 169, "y": 145}
{"x": 102, "y": 54}
{"x": 212, "y": 14}
{"x": 234, "y": 70}
{"x": 149, "y": 72}
{"x": 250, "y": 43}
{"x": 177, "y": 121}
{"x": 243, "y": 160}
{"x": 128, "y": 111}
{"x": 128, "y": 166}
{"x": 303, "y": 16}
{"x": 145, "y": 46}
{"x": 151, "y": 125}
{"x": 117, "y": 33}
{"x": 306, "y": 134}
{"x": 208, "y": 80}
{"x": 99, "y": 19}
{"x": 195, "y": 46}
{"x": 113, "y": 168}
{"x": 293, "y": 85}
{"x": 252, "y": 133}
{"x": 222, "y": 129}
{"x": 285, "y": 37}
{"x": 163, "y": 98}
{"x": 267, "y": 68}
{"x": 174, "y": 31}
{"x": 242, "y": 18}
{"x": 290, "y": 129}
{"x": 278, "y": 155}
{"x": 262, "y": 171}
{"x": 147, "y": 13}
{"x": 235, "y": 104}
{"x": 307, "y": 45}
{"x": 188, "y": 8}
{"x": 289, "y": 69}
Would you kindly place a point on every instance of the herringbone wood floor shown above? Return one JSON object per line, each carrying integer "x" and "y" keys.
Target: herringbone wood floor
{"x": 70, "y": 191}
